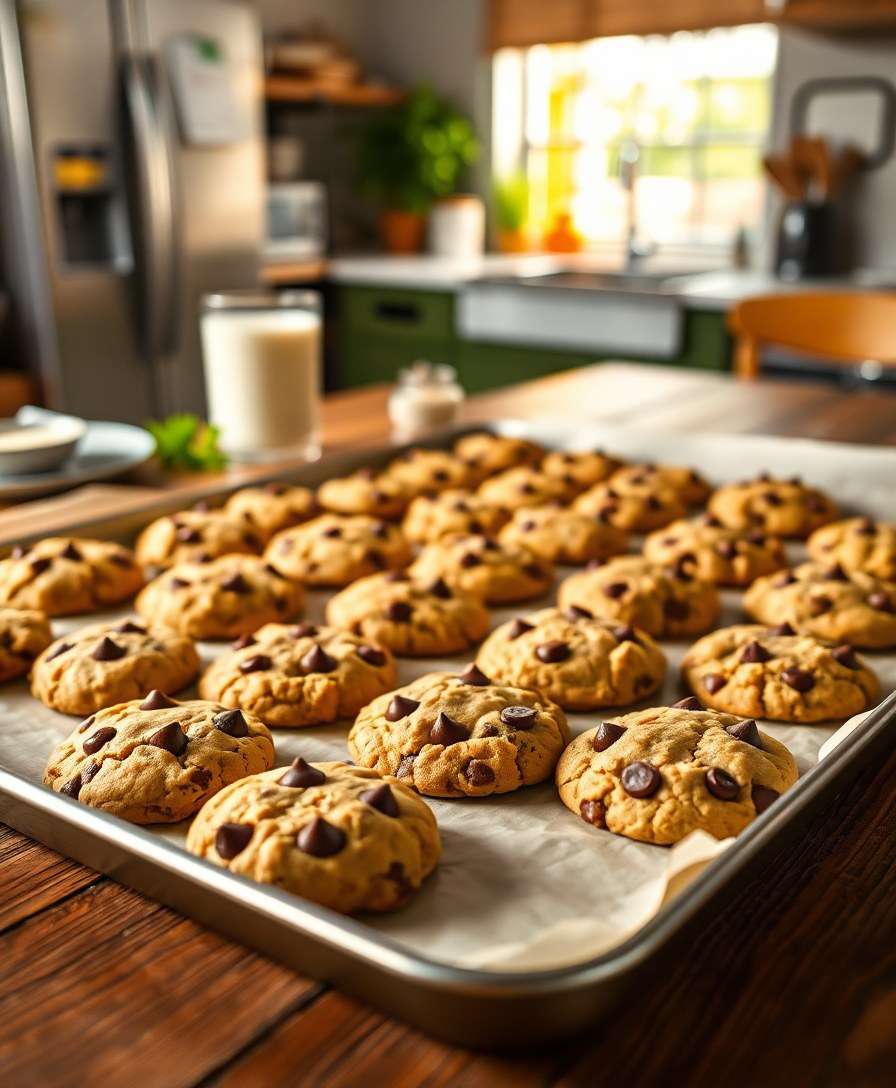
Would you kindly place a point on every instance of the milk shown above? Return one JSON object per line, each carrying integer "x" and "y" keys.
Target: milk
{"x": 262, "y": 380}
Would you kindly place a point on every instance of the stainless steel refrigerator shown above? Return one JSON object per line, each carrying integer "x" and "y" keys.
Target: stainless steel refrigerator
{"x": 131, "y": 181}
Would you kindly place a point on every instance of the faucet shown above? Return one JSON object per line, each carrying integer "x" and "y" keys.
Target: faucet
{"x": 635, "y": 250}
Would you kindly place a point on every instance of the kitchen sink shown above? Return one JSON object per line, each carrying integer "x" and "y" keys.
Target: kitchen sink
{"x": 641, "y": 281}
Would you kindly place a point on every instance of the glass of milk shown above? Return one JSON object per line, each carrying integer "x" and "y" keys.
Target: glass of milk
{"x": 262, "y": 359}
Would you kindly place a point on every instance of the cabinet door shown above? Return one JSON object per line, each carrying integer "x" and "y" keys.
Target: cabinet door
{"x": 839, "y": 14}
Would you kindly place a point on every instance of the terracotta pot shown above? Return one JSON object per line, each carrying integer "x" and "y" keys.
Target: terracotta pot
{"x": 514, "y": 241}
{"x": 401, "y": 231}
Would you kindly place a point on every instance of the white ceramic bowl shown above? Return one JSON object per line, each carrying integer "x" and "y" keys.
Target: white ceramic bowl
{"x": 37, "y": 441}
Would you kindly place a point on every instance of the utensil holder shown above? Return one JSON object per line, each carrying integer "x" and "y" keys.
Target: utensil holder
{"x": 806, "y": 240}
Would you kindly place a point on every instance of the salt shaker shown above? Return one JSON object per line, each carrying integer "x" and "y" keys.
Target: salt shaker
{"x": 427, "y": 396}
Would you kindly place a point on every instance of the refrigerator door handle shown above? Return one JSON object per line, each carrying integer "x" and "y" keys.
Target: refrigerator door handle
{"x": 152, "y": 210}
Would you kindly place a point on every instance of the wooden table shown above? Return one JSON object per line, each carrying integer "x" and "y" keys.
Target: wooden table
{"x": 793, "y": 982}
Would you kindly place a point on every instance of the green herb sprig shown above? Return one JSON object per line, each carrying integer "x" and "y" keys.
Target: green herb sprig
{"x": 186, "y": 442}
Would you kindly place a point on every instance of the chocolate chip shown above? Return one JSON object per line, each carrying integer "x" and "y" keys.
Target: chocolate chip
{"x": 38, "y": 566}
{"x": 447, "y": 731}
{"x": 552, "y": 652}
{"x": 845, "y": 655}
{"x": 690, "y": 703}
{"x": 519, "y": 627}
{"x": 399, "y": 611}
{"x": 242, "y": 642}
{"x": 107, "y": 650}
{"x": 272, "y": 570}
{"x": 232, "y": 839}
{"x": 640, "y": 779}
{"x": 375, "y": 558}
{"x": 128, "y": 627}
{"x": 332, "y": 532}
{"x": 781, "y": 630}
{"x": 762, "y": 797}
{"x": 528, "y": 526}
{"x": 256, "y": 663}
{"x": 720, "y": 784}
{"x": 534, "y": 571}
{"x": 469, "y": 560}
{"x": 70, "y": 552}
{"x": 836, "y": 573}
{"x": 90, "y": 772}
{"x": 157, "y": 700}
{"x": 177, "y": 583}
{"x": 527, "y": 489}
{"x": 405, "y": 767}
{"x": 866, "y": 527}
{"x": 713, "y": 682}
{"x": 273, "y": 488}
{"x": 772, "y": 498}
{"x": 202, "y": 776}
{"x": 798, "y": 679}
{"x": 396, "y": 576}
{"x": 478, "y": 773}
{"x": 472, "y": 674}
{"x": 300, "y": 775}
{"x": 304, "y": 630}
{"x": 400, "y": 707}
{"x": 318, "y": 660}
{"x": 607, "y": 733}
{"x": 475, "y": 525}
{"x": 87, "y": 723}
{"x": 727, "y": 549}
{"x": 518, "y": 717}
{"x": 592, "y": 812}
{"x": 171, "y": 738}
{"x": 72, "y": 788}
{"x": 96, "y": 740}
{"x": 819, "y": 604}
{"x": 746, "y": 731}
{"x": 58, "y": 650}
{"x": 440, "y": 589}
{"x": 380, "y": 530}
{"x": 575, "y": 612}
{"x": 755, "y": 653}
{"x": 881, "y": 602}
{"x": 441, "y": 475}
{"x": 382, "y": 799}
{"x": 615, "y": 589}
{"x": 371, "y": 655}
{"x": 236, "y": 583}
{"x": 320, "y": 839}
{"x": 626, "y": 633}
{"x": 713, "y": 521}
{"x": 187, "y": 534}
{"x": 785, "y": 579}
{"x": 676, "y": 610}
{"x": 232, "y": 723}
{"x": 654, "y": 503}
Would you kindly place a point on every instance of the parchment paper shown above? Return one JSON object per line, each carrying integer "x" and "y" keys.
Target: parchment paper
{"x": 523, "y": 882}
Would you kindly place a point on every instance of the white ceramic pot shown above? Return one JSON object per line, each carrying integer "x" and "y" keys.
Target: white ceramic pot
{"x": 457, "y": 226}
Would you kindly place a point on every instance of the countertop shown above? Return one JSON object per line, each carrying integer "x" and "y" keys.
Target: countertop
{"x": 792, "y": 980}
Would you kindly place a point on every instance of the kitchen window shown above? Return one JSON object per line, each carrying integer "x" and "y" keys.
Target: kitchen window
{"x": 695, "y": 107}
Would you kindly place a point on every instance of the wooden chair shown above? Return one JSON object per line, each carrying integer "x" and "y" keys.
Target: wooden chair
{"x": 845, "y": 327}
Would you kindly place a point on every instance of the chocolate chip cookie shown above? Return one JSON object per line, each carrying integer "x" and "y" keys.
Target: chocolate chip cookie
{"x": 423, "y": 471}
{"x": 857, "y": 544}
{"x": 460, "y": 736}
{"x": 103, "y": 664}
{"x": 682, "y": 481}
{"x": 657, "y": 775}
{"x": 294, "y": 675}
{"x": 787, "y": 508}
{"x": 157, "y": 761}
{"x": 713, "y": 553}
{"x": 666, "y": 602}
{"x": 431, "y": 517}
{"x": 365, "y": 492}
{"x": 268, "y": 509}
{"x": 770, "y": 672}
{"x": 336, "y": 549}
{"x": 586, "y": 467}
{"x": 635, "y": 507}
{"x": 67, "y": 576}
{"x": 412, "y": 618}
{"x": 487, "y": 454}
{"x": 479, "y": 565}
{"x": 193, "y": 535}
{"x": 24, "y": 633}
{"x": 526, "y": 487}
{"x": 579, "y": 662}
{"x": 829, "y": 603}
{"x": 338, "y": 835}
{"x": 560, "y": 535}
{"x": 222, "y": 599}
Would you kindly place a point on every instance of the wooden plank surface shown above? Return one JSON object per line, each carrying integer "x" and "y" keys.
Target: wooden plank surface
{"x": 793, "y": 981}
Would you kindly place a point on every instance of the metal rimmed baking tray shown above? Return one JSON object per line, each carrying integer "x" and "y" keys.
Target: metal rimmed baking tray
{"x": 476, "y": 1007}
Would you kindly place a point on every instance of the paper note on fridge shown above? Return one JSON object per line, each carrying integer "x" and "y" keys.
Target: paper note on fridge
{"x": 205, "y": 92}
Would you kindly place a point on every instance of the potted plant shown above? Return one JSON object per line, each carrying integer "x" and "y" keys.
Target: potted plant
{"x": 410, "y": 156}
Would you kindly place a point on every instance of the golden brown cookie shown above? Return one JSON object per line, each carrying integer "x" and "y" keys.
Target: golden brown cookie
{"x": 194, "y": 535}
{"x": 684, "y": 482}
{"x": 828, "y": 603}
{"x": 24, "y": 633}
{"x": 635, "y": 507}
{"x": 365, "y": 492}
{"x": 727, "y": 557}
{"x": 585, "y": 467}
{"x": 487, "y": 454}
{"x": 157, "y": 761}
{"x": 424, "y": 471}
{"x": 479, "y": 565}
{"x": 338, "y": 835}
{"x": 666, "y": 602}
{"x": 657, "y": 775}
{"x": 66, "y": 576}
{"x": 461, "y": 735}
{"x": 295, "y": 675}
{"x": 857, "y": 544}
{"x": 526, "y": 487}
{"x": 787, "y": 508}
{"x": 104, "y": 664}
{"x": 411, "y": 618}
{"x": 272, "y": 507}
{"x": 336, "y": 549}
{"x": 225, "y": 598}
{"x": 579, "y": 662}
{"x": 430, "y": 517}
{"x": 561, "y": 535}
{"x": 769, "y": 672}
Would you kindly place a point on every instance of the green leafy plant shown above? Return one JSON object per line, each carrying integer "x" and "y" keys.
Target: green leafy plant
{"x": 416, "y": 152}
{"x": 185, "y": 441}
{"x": 511, "y": 202}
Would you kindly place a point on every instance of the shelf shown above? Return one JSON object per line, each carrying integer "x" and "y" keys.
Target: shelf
{"x": 289, "y": 272}
{"x": 282, "y": 88}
